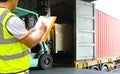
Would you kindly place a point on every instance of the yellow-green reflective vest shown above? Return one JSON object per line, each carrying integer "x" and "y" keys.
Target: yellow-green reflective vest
{"x": 14, "y": 55}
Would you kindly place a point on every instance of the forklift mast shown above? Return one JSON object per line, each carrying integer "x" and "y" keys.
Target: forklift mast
{"x": 43, "y": 7}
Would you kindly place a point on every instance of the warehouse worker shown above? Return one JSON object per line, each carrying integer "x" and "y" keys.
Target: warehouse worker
{"x": 15, "y": 40}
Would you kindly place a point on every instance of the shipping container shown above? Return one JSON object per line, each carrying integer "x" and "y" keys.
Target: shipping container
{"x": 96, "y": 36}
{"x": 82, "y": 15}
{"x": 107, "y": 35}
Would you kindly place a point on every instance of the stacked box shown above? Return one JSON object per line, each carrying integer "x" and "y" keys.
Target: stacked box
{"x": 62, "y": 37}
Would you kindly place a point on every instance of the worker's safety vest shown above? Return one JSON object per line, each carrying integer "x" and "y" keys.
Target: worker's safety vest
{"x": 14, "y": 55}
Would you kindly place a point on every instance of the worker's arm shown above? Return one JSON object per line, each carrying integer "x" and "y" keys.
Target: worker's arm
{"x": 17, "y": 28}
{"x": 32, "y": 41}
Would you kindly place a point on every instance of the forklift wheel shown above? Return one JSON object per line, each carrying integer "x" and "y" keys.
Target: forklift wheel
{"x": 45, "y": 62}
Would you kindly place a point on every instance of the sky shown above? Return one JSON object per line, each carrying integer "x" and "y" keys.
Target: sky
{"x": 111, "y": 7}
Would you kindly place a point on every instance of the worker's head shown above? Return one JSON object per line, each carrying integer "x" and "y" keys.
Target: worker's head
{"x": 10, "y": 4}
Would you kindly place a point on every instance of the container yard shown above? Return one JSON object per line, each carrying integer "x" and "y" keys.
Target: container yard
{"x": 80, "y": 38}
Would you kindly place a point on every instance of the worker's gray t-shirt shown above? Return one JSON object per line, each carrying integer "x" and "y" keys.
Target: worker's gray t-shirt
{"x": 16, "y": 27}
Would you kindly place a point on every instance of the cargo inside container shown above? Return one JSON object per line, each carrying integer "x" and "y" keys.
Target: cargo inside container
{"x": 63, "y": 49}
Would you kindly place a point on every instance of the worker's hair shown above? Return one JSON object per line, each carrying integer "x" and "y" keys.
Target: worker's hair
{"x": 3, "y": 0}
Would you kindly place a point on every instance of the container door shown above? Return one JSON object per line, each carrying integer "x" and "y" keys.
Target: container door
{"x": 84, "y": 30}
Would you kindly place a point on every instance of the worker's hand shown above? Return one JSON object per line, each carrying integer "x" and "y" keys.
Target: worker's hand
{"x": 43, "y": 28}
{"x": 32, "y": 41}
{"x": 31, "y": 31}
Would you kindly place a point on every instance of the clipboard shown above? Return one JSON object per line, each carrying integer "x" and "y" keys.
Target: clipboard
{"x": 49, "y": 22}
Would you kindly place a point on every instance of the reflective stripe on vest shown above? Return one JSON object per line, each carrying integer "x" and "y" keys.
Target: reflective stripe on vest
{"x": 2, "y": 40}
{"x": 15, "y": 56}
{"x": 7, "y": 41}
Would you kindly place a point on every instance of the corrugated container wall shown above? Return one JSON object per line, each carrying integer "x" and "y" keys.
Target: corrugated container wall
{"x": 107, "y": 35}
{"x": 84, "y": 30}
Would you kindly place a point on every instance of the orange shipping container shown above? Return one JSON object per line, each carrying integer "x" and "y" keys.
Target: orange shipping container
{"x": 107, "y": 35}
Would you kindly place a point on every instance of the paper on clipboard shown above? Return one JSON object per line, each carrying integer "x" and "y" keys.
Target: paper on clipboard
{"x": 49, "y": 22}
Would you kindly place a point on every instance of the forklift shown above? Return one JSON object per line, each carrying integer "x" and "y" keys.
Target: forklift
{"x": 40, "y": 54}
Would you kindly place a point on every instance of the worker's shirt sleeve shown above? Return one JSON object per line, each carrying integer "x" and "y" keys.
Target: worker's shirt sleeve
{"x": 16, "y": 27}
